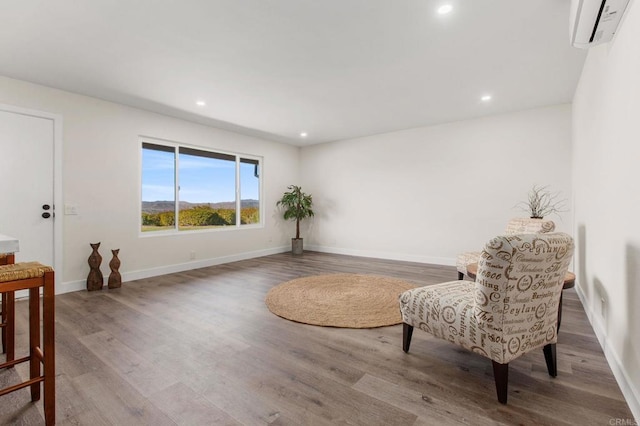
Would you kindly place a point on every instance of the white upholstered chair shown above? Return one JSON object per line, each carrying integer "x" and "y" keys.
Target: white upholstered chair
{"x": 517, "y": 225}
{"x": 511, "y": 308}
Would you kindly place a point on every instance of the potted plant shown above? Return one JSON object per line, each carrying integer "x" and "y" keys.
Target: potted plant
{"x": 297, "y": 206}
{"x": 541, "y": 202}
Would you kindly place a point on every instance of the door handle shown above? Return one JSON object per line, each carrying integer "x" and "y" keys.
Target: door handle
{"x": 46, "y": 215}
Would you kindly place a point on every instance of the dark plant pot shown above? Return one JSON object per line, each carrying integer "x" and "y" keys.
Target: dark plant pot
{"x": 296, "y": 246}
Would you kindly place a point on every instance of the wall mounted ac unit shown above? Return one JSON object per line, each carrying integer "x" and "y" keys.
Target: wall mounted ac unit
{"x": 595, "y": 21}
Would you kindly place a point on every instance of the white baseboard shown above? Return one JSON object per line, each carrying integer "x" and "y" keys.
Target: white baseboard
{"x": 629, "y": 391}
{"x": 70, "y": 286}
{"x": 385, "y": 255}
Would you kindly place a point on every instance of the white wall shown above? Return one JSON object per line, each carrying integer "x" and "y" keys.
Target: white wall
{"x": 101, "y": 175}
{"x": 606, "y": 155}
{"x": 429, "y": 193}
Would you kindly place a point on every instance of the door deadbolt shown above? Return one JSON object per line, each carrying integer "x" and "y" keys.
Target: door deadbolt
{"x": 46, "y": 207}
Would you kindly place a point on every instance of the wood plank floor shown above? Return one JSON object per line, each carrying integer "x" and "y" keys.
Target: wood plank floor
{"x": 201, "y": 348}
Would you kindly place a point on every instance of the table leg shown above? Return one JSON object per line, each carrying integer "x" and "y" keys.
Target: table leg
{"x": 559, "y": 314}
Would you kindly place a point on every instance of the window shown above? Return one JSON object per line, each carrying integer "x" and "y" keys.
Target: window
{"x": 249, "y": 191}
{"x": 203, "y": 189}
{"x": 158, "y": 187}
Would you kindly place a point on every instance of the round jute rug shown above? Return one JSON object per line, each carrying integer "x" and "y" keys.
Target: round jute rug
{"x": 339, "y": 300}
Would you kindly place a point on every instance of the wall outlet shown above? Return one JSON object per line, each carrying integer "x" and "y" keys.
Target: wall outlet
{"x": 192, "y": 255}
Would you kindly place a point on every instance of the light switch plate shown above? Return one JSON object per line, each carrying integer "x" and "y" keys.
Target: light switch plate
{"x": 70, "y": 209}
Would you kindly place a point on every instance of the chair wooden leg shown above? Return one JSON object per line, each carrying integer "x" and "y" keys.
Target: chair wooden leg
{"x": 550, "y": 357}
{"x": 48, "y": 331}
{"x": 501, "y": 377}
{"x": 407, "y": 332}
{"x": 9, "y": 330}
{"x": 4, "y": 321}
{"x": 34, "y": 340}
{"x": 460, "y": 276}
{"x": 7, "y": 260}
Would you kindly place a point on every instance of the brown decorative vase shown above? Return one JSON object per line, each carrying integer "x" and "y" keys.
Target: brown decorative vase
{"x": 115, "y": 280}
{"x": 95, "y": 280}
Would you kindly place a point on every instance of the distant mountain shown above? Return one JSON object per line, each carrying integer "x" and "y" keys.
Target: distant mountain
{"x": 164, "y": 206}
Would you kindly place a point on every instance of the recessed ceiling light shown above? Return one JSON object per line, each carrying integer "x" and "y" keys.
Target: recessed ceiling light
{"x": 444, "y": 9}
{"x": 303, "y": 134}
{"x": 485, "y": 98}
{"x": 201, "y": 103}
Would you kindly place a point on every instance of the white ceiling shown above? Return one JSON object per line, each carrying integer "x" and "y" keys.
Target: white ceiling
{"x": 336, "y": 69}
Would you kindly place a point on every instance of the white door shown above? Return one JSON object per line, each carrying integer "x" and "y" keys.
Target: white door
{"x": 26, "y": 179}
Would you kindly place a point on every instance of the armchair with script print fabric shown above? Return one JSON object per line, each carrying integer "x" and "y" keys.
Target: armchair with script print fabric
{"x": 517, "y": 225}
{"x": 511, "y": 308}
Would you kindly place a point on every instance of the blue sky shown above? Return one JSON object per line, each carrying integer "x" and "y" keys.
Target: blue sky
{"x": 202, "y": 180}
